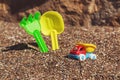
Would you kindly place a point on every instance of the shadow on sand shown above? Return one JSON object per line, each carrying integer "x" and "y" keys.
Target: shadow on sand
{"x": 21, "y": 46}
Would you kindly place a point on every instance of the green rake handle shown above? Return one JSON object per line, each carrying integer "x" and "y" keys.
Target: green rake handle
{"x": 40, "y": 41}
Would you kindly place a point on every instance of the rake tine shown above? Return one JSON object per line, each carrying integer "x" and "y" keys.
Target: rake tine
{"x": 37, "y": 15}
{"x": 30, "y": 18}
{"x": 23, "y": 22}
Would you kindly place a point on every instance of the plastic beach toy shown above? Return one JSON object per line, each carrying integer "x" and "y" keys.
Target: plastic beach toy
{"x": 33, "y": 27}
{"x": 83, "y": 51}
{"x": 89, "y": 47}
{"x": 52, "y": 24}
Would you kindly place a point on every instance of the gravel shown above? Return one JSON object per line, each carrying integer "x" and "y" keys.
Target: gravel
{"x": 21, "y": 60}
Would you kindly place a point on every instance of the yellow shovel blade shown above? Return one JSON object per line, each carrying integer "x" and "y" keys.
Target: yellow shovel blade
{"x": 52, "y": 24}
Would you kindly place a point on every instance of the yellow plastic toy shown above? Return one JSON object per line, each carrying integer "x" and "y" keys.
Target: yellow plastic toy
{"x": 52, "y": 24}
{"x": 88, "y": 47}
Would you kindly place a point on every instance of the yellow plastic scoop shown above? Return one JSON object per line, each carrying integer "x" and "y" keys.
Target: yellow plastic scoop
{"x": 52, "y": 24}
{"x": 89, "y": 47}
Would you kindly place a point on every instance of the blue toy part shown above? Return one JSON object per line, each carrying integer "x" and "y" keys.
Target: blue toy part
{"x": 91, "y": 55}
{"x": 74, "y": 56}
{"x": 88, "y": 55}
{"x": 81, "y": 57}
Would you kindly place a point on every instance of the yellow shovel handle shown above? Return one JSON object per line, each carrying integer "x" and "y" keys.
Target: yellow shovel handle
{"x": 54, "y": 40}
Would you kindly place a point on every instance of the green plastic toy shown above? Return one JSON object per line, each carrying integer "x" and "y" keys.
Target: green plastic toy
{"x": 33, "y": 27}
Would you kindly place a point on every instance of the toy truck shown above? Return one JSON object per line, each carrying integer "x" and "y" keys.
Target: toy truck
{"x": 82, "y": 51}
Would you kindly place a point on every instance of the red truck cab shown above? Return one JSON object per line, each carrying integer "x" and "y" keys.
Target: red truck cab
{"x": 78, "y": 49}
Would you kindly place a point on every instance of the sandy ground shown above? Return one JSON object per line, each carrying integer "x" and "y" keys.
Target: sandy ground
{"x": 20, "y": 59}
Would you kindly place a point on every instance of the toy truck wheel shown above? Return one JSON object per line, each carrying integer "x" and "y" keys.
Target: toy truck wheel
{"x": 93, "y": 56}
{"x": 82, "y": 57}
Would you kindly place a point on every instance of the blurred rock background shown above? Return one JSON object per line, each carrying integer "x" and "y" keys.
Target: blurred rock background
{"x": 75, "y": 12}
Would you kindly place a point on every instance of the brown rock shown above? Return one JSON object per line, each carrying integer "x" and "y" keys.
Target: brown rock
{"x": 74, "y": 12}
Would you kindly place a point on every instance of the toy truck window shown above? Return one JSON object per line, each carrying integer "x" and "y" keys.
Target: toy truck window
{"x": 81, "y": 49}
